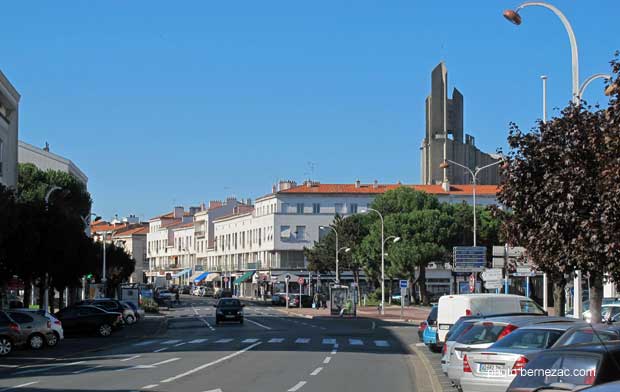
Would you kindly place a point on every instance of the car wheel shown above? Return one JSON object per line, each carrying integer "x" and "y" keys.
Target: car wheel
{"x": 53, "y": 339}
{"x": 105, "y": 330}
{"x": 36, "y": 341}
{"x": 6, "y": 346}
{"x": 434, "y": 348}
{"x": 130, "y": 319}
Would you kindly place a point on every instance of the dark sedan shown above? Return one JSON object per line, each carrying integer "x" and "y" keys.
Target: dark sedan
{"x": 89, "y": 319}
{"x": 228, "y": 309}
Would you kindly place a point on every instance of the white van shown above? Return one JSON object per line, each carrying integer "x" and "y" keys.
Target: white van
{"x": 452, "y": 307}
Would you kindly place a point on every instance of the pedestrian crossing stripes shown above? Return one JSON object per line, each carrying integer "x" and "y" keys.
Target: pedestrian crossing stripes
{"x": 300, "y": 340}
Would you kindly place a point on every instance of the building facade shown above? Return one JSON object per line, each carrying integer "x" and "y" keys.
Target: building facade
{"x": 9, "y": 111}
{"x": 46, "y": 160}
{"x": 133, "y": 240}
{"x": 460, "y": 147}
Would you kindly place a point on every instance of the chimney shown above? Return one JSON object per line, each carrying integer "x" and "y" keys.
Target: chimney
{"x": 286, "y": 184}
{"x": 231, "y": 200}
{"x": 274, "y": 188}
{"x": 248, "y": 201}
{"x": 177, "y": 212}
{"x": 215, "y": 204}
{"x": 375, "y": 184}
{"x": 47, "y": 147}
{"x": 358, "y": 183}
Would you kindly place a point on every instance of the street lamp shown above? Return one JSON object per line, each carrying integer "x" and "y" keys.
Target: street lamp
{"x": 592, "y": 78}
{"x": 337, "y": 249}
{"x": 474, "y": 174}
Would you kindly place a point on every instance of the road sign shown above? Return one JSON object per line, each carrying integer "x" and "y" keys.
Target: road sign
{"x": 472, "y": 282}
{"x": 404, "y": 283}
{"x": 524, "y": 271}
{"x": 492, "y": 274}
{"x": 498, "y": 262}
{"x": 226, "y": 279}
{"x": 469, "y": 258}
{"x": 493, "y": 284}
{"x": 274, "y": 278}
{"x": 300, "y": 281}
{"x": 287, "y": 277}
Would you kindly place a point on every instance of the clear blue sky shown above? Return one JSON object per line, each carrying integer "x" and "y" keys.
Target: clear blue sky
{"x": 164, "y": 103}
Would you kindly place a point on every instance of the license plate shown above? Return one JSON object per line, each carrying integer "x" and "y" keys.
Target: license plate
{"x": 490, "y": 368}
{"x": 230, "y": 316}
{"x": 444, "y": 326}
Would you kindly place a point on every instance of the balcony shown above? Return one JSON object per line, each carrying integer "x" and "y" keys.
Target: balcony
{"x": 199, "y": 234}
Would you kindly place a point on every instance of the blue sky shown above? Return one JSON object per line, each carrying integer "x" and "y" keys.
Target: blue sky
{"x": 163, "y": 103}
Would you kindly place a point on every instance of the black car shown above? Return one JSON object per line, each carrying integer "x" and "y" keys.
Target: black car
{"x": 186, "y": 290}
{"x": 572, "y": 367}
{"x": 88, "y": 318}
{"x": 306, "y": 301}
{"x": 226, "y": 293}
{"x": 228, "y": 309}
{"x": 278, "y": 299}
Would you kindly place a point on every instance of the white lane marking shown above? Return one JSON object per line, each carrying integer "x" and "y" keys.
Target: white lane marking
{"x": 316, "y": 371}
{"x": 297, "y": 386}
{"x": 257, "y": 323}
{"x": 356, "y": 342}
{"x": 173, "y": 341}
{"x": 302, "y": 340}
{"x": 323, "y": 328}
{"x": 130, "y": 358}
{"x": 382, "y": 343}
{"x": 224, "y": 341}
{"x": 48, "y": 368}
{"x": 206, "y": 365}
{"x": 420, "y": 344}
{"x": 166, "y": 361}
{"x": 329, "y": 341}
{"x": 160, "y": 350}
{"x": 214, "y": 390}
{"x": 9, "y": 366}
{"x": 334, "y": 351}
{"x": 151, "y": 386}
{"x": 195, "y": 341}
{"x": 276, "y": 340}
{"x": 87, "y": 369}
{"x": 180, "y": 344}
{"x": 249, "y": 341}
{"x": 327, "y": 359}
{"x": 203, "y": 319}
{"x": 145, "y": 343}
{"x": 336, "y": 345}
{"x": 373, "y": 325}
{"x": 19, "y": 386}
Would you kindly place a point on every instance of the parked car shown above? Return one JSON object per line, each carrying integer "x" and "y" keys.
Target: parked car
{"x": 607, "y": 387}
{"x": 185, "y": 290}
{"x": 138, "y": 311}
{"x": 306, "y": 301}
{"x": 207, "y": 291}
{"x": 569, "y": 368}
{"x": 278, "y": 299}
{"x": 589, "y": 333}
{"x": 37, "y": 328}
{"x": 486, "y": 332}
{"x": 493, "y": 369}
{"x": 228, "y": 309}
{"x": 226, "y": 293}
{"x": 197, "y": 290}
{"x": 57, "y": 330}
{"x": 423, "y": 325}
{"x": 451, "y": 307}
{"x": 11, "y": 335}
{"x": 88, "y": 318}
{"x": 113, "y": 305}
{"x": 461, "y": 326}
{"x": 429, "y": 335}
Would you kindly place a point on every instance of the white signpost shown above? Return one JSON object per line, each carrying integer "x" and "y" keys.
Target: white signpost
{"x": 492, "y": 274}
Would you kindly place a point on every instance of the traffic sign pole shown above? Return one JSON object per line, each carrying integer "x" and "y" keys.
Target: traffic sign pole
{"x": 301, "y": 282}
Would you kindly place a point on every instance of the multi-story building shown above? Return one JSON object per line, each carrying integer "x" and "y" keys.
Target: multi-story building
{"x": 132, "y": 238}
{"x": 46, "y": 160}
{"x": 9, "y": 105}
{"x": 262, "y": 244}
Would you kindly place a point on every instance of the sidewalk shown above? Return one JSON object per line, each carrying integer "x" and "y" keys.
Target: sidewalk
{"x": 411, "y": 314}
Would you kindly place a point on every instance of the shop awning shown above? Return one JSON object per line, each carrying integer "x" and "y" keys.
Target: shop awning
{"x": 244, "y": 277}
{"x": 212, "y": 276}
{"x": 186, "y": 271}
{"x": 200, "y": 277}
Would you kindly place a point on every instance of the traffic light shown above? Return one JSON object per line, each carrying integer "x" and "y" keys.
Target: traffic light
{"x": 89, "y": 276}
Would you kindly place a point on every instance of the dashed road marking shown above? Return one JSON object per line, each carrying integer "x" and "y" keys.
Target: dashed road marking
{"x": 196, "y": 341}
{"x": 180, "y": 344}
{"x": 150, "y": 386}
{"x": 166, "y": 361}
{"x": 87, "y": 369}
{"x": 173, "y": 341}
{"x": 130, "y": 358}
{"x": 297, "y": 386}
{"x": 19, "y": 386}
{"x": 145, "y": 343}
{"x": 327, "y": 359}
{"x": 276, "y": 340}
{"x": 356, "y": 342}
{"x": 316, "y": 371}
{"x": 302, "y": 340}
{"x": 224, "y": 341}
{"x": 381, "y": 343}
{"x": 329, "y": 341}
{"x": 259, "y": 324}
{"x": 249, "y": 341}
{"x": 160, "y": 350}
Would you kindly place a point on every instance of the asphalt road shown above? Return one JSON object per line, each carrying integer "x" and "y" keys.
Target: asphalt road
{"x": 269, "y": 352}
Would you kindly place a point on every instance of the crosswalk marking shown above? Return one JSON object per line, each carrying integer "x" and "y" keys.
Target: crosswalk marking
{"x": 145, "y": 343}
{"x": 173, "y": 341}
{"x": 355, "y": 342}
{"x": 196, "y": 341}
{"x": 302, "y": 340}
{"x": 381, "y": 343}
{"x": 276, "y": 340}
{"x": 224, "y": 341}
{"x": 250, "y": 341}
{"x": 329, "y": 341}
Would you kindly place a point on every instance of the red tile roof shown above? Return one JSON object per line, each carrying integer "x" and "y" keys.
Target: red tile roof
{"x": 173, "y": 222}
{"x": 139, "y": 230}
{"x": 489, "y": 190}
{"x": 183, "y": 225}
{"x": 101, "y": 226}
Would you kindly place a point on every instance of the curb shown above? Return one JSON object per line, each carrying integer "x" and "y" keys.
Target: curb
{"x": 295, "y": 314}
{"x": 435, "y": 385}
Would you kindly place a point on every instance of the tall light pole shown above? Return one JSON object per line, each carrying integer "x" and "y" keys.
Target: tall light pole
{"x": 589, "y": 80}
{"x": 544, "y": 97}
{"x": 474, "y": 174}
{"x": 337, "y": 250}
{"x": 382, "y": 258}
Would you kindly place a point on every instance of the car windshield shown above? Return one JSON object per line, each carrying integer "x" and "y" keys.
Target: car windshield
{"x": 459, "y": 330}
{"x": 482, "y": 333}
{"x": 432, "y": 316}
{"x": 529, "y": 306}
{"x": 229, "y": 302}
{"x": 587, "y": 335}
{"x": 529, "y": 339}
{"x": 558, "y": 367}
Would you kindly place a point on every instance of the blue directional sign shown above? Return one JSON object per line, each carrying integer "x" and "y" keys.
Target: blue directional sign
{"x": 403, "y": 284}
{"x": 469, "y": 258}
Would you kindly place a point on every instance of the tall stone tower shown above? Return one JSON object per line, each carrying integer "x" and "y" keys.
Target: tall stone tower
{"x": 458, "y": 149}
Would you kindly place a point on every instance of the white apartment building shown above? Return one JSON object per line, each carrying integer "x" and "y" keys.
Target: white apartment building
{"x": 46, "y": 160}
{"x": 265, "y": 243}
{"x": 9, "y": 105}
{"x": 133, "y": 240}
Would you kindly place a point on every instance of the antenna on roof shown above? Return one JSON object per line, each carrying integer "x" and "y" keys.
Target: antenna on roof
{"x": 311, "y": 166}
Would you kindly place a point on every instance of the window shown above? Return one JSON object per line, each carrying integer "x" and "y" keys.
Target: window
{"x": 285, "y": 232}
{"x": 316, "y": 208}
{"x": 21, "y": 318}
{"x": 300, "y": 208}
{"x": 338, "y": 208}
{"x": 353, "y": 209}
{"x": 284, "y": 208}
{"x": 300, "y": 233}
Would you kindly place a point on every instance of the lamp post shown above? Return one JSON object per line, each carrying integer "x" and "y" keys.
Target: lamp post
{"x": 474, "y": 174}
{"x": 592, "y": 78}
{"x": 337, "y": 250}
{"x": 382, "y": 258}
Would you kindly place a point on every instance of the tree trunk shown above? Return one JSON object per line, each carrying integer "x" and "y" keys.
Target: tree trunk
{"x": 596, "y": 297}
{"x": 559, "y": 298}
{"x": 51, "y": 299}
{"x": 61, "y": 297}
{"x": 422, "y": 282}
{"x": 27, "y": 292}
{"x": 41, "y": 293}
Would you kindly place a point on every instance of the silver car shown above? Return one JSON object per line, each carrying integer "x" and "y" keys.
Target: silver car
{"x": 493, "y": 369}
{"x": 483, "y": 334}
